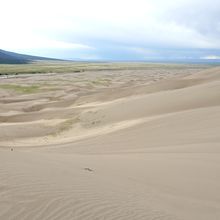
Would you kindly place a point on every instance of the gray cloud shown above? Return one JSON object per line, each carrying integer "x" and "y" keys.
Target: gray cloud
{"x": 203, "y": 16}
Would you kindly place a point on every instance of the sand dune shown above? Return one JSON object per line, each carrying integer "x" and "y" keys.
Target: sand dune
{"x": 138, "y": 149}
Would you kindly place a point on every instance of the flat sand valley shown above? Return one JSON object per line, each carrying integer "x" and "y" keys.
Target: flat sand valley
{"x": 139, "y": 143}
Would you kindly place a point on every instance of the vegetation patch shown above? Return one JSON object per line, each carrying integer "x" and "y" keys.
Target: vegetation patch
{"x": 77, "y": 67}
{"x": 100, "y": 81}
{"x": 66, "y": 125}
{"x": 21, "y": 89}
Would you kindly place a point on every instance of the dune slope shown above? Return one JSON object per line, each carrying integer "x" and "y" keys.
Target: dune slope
{"x": 151, "y": 152}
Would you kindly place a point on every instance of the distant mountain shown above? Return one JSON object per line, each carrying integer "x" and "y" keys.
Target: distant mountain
{"x": 7, "y": 57}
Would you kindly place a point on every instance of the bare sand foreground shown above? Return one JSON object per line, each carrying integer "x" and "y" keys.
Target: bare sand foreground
{"x": 141, "y": 144}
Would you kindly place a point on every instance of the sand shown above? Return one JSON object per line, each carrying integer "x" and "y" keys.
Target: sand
{"x": 140, "y": 144}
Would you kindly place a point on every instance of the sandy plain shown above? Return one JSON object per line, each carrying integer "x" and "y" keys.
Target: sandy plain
{"x": 111, "y": 144}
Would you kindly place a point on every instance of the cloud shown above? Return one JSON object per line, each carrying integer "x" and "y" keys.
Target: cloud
{"x": 211, "y": 57}
{"x": 116, "y": 28}
{"x": 33, "y": 42}
{"x": 201, "y": 15}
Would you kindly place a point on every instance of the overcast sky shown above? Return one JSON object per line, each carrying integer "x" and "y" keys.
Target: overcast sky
{"x": 112, "y": 29}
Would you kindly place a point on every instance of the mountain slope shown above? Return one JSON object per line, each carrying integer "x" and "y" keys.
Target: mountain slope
{"x": 7, "y": 57}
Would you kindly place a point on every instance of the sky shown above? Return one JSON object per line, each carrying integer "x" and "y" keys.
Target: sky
{"x": 112, "y": 29}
